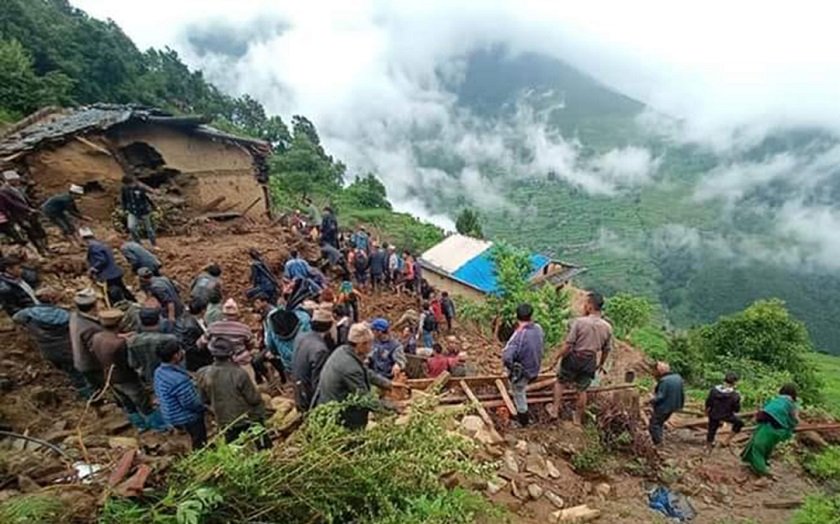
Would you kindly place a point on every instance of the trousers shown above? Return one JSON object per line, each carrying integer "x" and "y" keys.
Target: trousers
{"x": 134, "y": 227}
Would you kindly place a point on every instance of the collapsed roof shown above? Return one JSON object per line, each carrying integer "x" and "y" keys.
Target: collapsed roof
{"x": 55, "y": 125}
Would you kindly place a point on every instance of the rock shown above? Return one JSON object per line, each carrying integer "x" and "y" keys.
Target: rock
{"x": 535, "y": 448}
{"x": 576, "y": 514}
{"x": 495, "y": 485}
{"x": 555, "y": 499}
{"x": 509, "y": 460}
{"x": 521, "y": 446}
{"x": 603, "y": 490}
{"x": 517, "y": 491}
{"x": 553, "y": 472}
{"x": 536, "y": 464}
{"x": 123, "y": 442}
{"x": 471, "y": 424}
{"x": 484, "y": 436}
{"x": 535, "y": 491}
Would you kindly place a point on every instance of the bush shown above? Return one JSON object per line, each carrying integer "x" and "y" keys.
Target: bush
{"x": 31, "y": 509}
{"x": 325, "y": 473}
{"x": 818, "y": 509}
{"x": 628, "y": 313}
{"x": 824, "y": 465}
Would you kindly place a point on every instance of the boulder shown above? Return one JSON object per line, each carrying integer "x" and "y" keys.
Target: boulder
{"x": 123, "y": 442}
{"x": 576, "y": 514}
{"x": 495, "y": 485}
{"x": 535, "y": 491}
{"x": 555, "y": 499}
{"x": 603, "y": 490}
{"x": 553, "y": 472}
{"x": 536, "y": 464}
{"x": 471, "y": 425}
{"x": 521, "y": 446}
{"x": 509, "y": 461}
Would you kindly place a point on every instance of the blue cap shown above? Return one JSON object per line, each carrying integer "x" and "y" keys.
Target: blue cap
{"x": 379, "y": 324}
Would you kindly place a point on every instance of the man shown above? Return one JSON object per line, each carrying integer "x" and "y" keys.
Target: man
{"x": 142, "y": 348}
{"x": 102, "y": 265}
{"x": 522, "y": 358}
{"x": 130, "y": 322}
{"x": 329, "y": 228}
{"x": 408, "y": 272}
{"x": 110, "y": 351}
{"x": 438, "y": 362}
{"x": 332, "y": 257}
{"x": 137, "y": 205}
{"x": 378, "y": 267}
{"x": 344, "y": 374}
{"x": 428, "y": 325}
{"x": 394, "y": 266}
{"x": 361, "y": 239}
{"x": 18, "y": 211}
{"x": 189, "y": 329}
{"x": 213, "y": 313}
{"x": 387, "y": 357}
{"x": 296, "y": 267}
{"x": 668, "y": 398}
{"x": 179, "y": 400}
{"x": 310, "y": 354}
{"x": 164, "y": 291}
{"x": 62, "y": 208}
{"x": 418, "y": 276}
{"x": 232, "y": 395}
{"x": 15, "y": 292}
{"x": 49, "y": 327}
{"x": 448, "y": 307}
{"x": 84, "y": 323}
{"x": 360, "y": 267}
{"x": 237, "y": 333}
{"x": 263, "y": 308}
{"x": 588, "y": 336}
{"x": 722, "y": 405}
{"x": 205, "y": 282}
{"x": 262, "y": 279}
{"x": 138, "y": 256}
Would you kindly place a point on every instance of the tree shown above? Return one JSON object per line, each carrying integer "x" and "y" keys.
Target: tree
{"x": 22, "y": 90}
{"x": 368, "y": 192}
{"x": 469, "y": 223}
{"x": 628, "y": 313}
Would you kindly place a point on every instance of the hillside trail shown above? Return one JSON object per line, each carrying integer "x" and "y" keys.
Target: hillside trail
{"x": 39, "y": 401}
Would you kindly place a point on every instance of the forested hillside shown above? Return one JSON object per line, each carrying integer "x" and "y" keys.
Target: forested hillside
{"x": 54, "y": 54}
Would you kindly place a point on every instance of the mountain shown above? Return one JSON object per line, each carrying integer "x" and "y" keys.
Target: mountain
{"x": 699, "y": 257}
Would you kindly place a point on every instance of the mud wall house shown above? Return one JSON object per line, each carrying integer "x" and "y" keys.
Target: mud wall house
{"x": 463, "y": 266}
{"x": 95, "y": 146}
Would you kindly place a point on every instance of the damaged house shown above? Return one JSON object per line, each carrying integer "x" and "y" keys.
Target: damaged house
{"x": 203, "y": 169}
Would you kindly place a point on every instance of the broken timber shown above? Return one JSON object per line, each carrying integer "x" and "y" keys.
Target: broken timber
{"x": 500, "y": 385}
{"x": 481, "y": 412}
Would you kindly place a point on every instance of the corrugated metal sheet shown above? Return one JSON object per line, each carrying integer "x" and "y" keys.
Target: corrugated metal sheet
{"x": 454, "y": 252}
{"x": 480, "y": 272}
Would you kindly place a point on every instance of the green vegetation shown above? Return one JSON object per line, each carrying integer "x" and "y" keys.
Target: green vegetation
{"x": 828, "y": 372}
{"x": 628, "y": 313}
{"x": 31, "y": 509}
{"x": 819, "y": 508}
{"x": 824, "y": 465}
{"x": 469, "y": 223}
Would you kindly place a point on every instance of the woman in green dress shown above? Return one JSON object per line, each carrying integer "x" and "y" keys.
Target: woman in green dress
{"x": 776, "y": 423}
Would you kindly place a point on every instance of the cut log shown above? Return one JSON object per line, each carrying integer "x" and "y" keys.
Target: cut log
{"x": 782, "y": 504}
{"x": 481, "y": 412}
{"x": 505, "y": 397}
{"x": 576, "y": 514}
{"x": 436, "y": 383}
{"x": 251, "y": 205}
{"x": 536, "y": 386}
{"x": 702, "y": 423}
{"x": 213, "y": 204}
{"x": 474, "y": 381}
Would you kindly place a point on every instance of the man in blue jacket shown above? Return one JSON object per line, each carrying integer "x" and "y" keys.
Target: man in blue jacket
{"x": 179, "y": 400}
{"x": 668, "y": 398}
{"x": 296, "y": 267}
{"x": 387, "y": 357}
{"x": 101, "y": 263}
{"x": 522, "y": 358}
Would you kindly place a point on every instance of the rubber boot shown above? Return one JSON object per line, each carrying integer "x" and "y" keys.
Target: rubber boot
{"x": 154, "y": 421}
{"x": 523, "y": 418}
{"x": 137, "y": 421}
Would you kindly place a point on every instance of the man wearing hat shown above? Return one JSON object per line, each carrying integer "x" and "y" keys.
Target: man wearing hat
{"x": 388, "y": 357}
{"x": 137, "y": 205}
{"x": 237, "y": 333}
{"x": 15, "y": 292}
{"x": 142, "y": 348}
{"x": 232, "y": 395}
{"x": 102, "y": 265}
{"x": 310, "y": 353}
{"x": 110, "y": 349}
{"x": 62, "y": 208}
{"x": 84, "y": 323}
{"x": 345, "y": 374}
{"x": 49, "y": 327}
{"x": 164, "y": 291}
{"x": 16, "y": 209}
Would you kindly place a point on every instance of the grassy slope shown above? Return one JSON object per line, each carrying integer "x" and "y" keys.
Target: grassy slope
{"x": 828, "y": 368}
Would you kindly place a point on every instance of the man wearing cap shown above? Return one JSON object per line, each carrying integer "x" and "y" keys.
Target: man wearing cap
{"x": 15, "y": 292}
{"x": 345, "y": 374}
{"x": 164, "y": 291}
{"x": 130, "y": 322}
{"x": 237, "y": 333}
{"x": 138, "y": 256}
{"x": 49, "y": 327}
{"x": 232, "y": 395}
{"x": 16, "y": 209}
{"x": 62, "y": 208}
{"x": 101, "y": 263}
{"x": 522, "y": 358}
{"x": 310, "y": 354}
{"x": 84, "y": 323}
{"x": 180, "y": 402}
{"x": 142, "y": 348}
{"x": 110, "y": 349}
{"x": 387, "y": 357}
{"x": 189, "y": 329}
{"x": 137, "y": 205}
{"x": 283, "y": 327}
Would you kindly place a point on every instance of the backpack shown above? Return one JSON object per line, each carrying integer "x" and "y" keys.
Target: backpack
{"x": 360, "y": 262}
{"x": 430, "y": 322}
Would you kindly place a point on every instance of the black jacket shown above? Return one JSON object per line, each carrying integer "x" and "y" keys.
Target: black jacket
{"x": 310, "y": 354}
{"x": 722, "y": 402}
{"x": 13, "y": 296}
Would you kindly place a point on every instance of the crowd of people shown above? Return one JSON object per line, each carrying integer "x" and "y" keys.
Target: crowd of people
{"x": 177, "y": 351}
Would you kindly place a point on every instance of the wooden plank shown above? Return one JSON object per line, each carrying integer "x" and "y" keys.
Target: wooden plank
{"x": 505, "y": 397}
{"x": 534, "y": 386}
{"x": 705, "y": 422}
{"x": 481, "y": 412}
{"x": 213, "y": 204}
{"x": 251, "y": 205}
{"x": 473, "y": 381}
{"x": 437, "y": 382}
{"x": 93, "y": 146}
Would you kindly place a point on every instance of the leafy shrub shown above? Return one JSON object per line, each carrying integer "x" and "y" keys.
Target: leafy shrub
{"x": 628, "y": 313}
{"x": 31, "y": 509}
{"x": 824, "y": 465}
{"x": 593, "y": 458}
{"x": 818, "y": 508}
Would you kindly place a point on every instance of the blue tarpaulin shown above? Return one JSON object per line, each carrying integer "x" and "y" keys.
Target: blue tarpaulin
{"x": 480, "y": 271}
